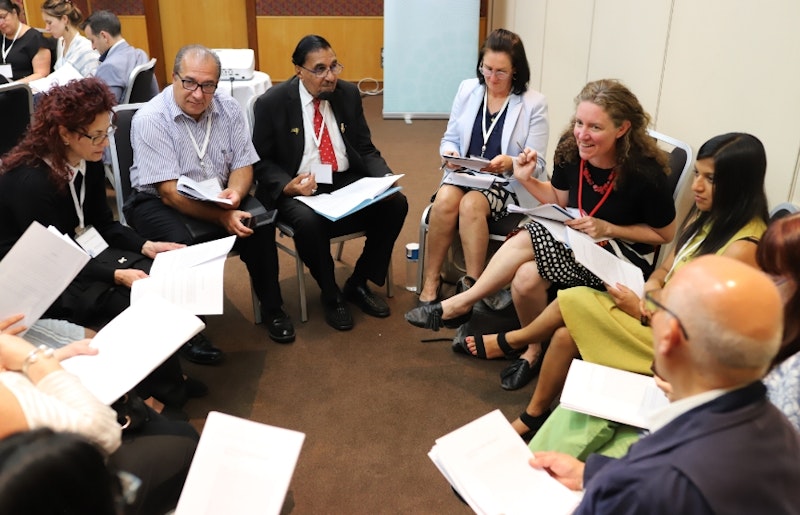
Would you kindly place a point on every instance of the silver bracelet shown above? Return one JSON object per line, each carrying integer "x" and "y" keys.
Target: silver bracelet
{"x": 33, "y": 356}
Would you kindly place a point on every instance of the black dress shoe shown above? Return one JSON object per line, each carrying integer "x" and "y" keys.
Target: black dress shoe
{"x": 337, "y": 315}
{"x": 365, "y": 299}
{"x": 520, "y": 373}
{"x": 279, "y": 326}
{"x": 200, "y": 350}
{"x": 195, "y": 388}
{"x": 430, "y": 317}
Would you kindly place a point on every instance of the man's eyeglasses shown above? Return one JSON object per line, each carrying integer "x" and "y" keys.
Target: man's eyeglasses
{"x": 192, "y": 85}
{"x": 488, "y": 72}
{"x": 651, "y": 305}
{"x": 100, "y": 138}
{"x": 321, "y": 71}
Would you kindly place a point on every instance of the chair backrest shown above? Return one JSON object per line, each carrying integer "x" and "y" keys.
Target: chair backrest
{"x": 783, "y": 209}
{"x": 140, "y": 84}
{"x": 249, "y": 111}
{"x": 122, "y": 154}
{"x": 680, "y": 160}
{"x": 16, "y": 104}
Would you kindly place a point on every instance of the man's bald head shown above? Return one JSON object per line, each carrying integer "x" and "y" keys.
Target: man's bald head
{"x": 733, "y": 315}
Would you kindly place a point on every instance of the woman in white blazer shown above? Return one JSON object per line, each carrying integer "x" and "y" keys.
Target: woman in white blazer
{"x": 494, "y": 116}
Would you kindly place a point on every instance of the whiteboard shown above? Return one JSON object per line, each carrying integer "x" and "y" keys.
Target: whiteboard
{"x": 430, "y": 46}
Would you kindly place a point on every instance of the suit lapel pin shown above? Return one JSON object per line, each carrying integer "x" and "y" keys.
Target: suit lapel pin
{"x": 121, "y": 260}
{"x": 295, "y": 131}
{"x": 341, "y": 127}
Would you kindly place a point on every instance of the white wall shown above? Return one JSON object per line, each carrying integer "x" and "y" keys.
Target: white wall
{"x": 699, "y": 67}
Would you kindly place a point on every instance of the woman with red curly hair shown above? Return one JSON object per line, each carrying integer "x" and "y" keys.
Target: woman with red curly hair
{"x": 54, "y": 176}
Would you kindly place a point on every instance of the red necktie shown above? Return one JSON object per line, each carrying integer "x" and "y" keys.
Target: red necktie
{"x": 326, "y": 154}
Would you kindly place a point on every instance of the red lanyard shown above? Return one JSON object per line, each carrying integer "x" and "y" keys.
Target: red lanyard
{"x": 607, "y": 187}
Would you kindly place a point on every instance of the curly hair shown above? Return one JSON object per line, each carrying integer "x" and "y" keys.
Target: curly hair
{"x": 59, "y": 8}
{"x": 620, "y": 105}
{"x": 72, "y": 106}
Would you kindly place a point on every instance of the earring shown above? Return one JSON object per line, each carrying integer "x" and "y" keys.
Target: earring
{"x": 66, "y": 143}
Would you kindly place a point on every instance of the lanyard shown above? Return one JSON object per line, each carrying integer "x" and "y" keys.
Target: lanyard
{"x": 6, "y": 52}
{"x": 580, "y": 191}
{"x": 78, "y": 201}
{"x": 684, "y": 254}
{"x": 201, "y": 152}
{"x": 487, "y": 133}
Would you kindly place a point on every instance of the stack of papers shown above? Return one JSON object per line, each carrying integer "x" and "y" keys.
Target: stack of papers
{"x": 191, "y": 277}
{"x": 470, "y": 163}
{"x": 240, "y": 467}
{"x": 351, "y": 198}
{"x": 612, "y": 394}
{"x": 131, "y": 346}
{"x": 36, "y": 270}
{"x": 60, "y": 77}
{"x": 207, "y": 190}
{"x": 486, "y": 462}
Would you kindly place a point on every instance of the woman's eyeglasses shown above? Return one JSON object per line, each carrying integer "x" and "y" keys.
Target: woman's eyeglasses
{"x": 488, "y": 72}
{"x": 100, "y": 138}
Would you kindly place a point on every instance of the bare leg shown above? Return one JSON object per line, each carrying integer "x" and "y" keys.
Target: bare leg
{"x": 541, "y": 328}
{"x": 443, "y": 218}
{"x": 473, "y": 226}
{"x": 556, "y": 364}
{"x": 499, "y": 272}
{"x": 529, "y": 291}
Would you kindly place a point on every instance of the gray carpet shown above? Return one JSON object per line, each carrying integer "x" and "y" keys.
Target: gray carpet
{"x": 371, "y": 401}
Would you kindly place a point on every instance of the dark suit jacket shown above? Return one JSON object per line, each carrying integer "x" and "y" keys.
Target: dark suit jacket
{"x": 735, "y": 454}
{"x": 279, "y": 137}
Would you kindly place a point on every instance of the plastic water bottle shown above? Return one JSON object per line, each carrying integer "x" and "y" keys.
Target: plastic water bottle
{"x": 412, "y": 264}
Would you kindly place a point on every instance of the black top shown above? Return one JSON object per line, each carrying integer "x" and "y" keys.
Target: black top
{"x": 495, "y": 141}
{"x": 23, "y": 51}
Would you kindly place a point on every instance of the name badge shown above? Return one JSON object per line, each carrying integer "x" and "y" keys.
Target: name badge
{"x": 5, "y": 70}
{"x": 323, "y": 174}
{"x": 91, "y": 241}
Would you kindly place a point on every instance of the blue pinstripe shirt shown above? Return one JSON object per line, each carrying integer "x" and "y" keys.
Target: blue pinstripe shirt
{"x": 163, "y": 149}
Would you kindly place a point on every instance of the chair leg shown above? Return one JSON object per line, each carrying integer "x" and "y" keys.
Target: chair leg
{"x": 301, "y": 288}
{"x": 423, "y": 234}
{"x": 339, "y": 251}
{"x": 389, "y": 285}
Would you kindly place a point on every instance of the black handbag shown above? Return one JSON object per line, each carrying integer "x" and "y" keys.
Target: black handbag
{"x": 132, "y": 412}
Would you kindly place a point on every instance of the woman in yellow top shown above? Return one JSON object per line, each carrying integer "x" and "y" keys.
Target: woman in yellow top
{"x": 729, "y": 216}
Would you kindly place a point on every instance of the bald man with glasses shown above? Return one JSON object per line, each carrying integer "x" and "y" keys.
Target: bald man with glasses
{"x": 720, "y": 446}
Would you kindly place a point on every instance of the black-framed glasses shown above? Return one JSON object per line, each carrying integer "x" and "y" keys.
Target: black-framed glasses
{"x": 100, "y": 138}
{"x": 488, "y": 72}
{"x": 320, "y": 70}
{"x": 651, "y": 305}
{"x": 192, "y": 85}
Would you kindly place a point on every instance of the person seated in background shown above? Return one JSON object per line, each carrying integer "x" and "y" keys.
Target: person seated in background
{"x": 494, "y": 116}
{"x": 62, "y": 19}
{"x": 117, "y": 57}
{"x": 779, "y": 255}
{"x": 36, "y": 392}
{"x": 188, "y": 130}
{"x": 728, "y": 218}
{"x": 609, "y": 168}
{"x": 74, "y": 470}
{"x": 26, "y": 53}
{"x": 53, "y": 177}
{"x": 720, "y": 446}
{"x": 313, "y": 120}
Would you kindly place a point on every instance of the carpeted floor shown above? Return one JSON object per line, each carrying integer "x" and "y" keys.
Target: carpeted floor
{"x": 371, "y": 401}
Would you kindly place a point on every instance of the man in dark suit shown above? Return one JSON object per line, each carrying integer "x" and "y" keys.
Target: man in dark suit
{"x": 720, "y": 446}
{"x": 310, "y": 123}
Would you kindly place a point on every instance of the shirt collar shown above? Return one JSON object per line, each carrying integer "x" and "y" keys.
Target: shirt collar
{"x": 673, "y": 410}
{"x": 305, "y": 97}
{"x": 79, "y": 169}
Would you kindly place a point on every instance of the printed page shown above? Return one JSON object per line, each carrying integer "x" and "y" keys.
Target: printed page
{"x": 471, "y": 163}
{"x": 611, "y": 394}
{"x": 208, "y": 190}
{"x": 36, "y": 270}
{"x": 344, "y": 201}
{"x": 240, "y": 467}
{"x": 60, "y": 77}
{"x": 167, "y": 263}
{"x": 487, "y": 463}
{"x": 131, "y": 346}
{"x": 605, "y": 265}
{"x": 199, "y": 289}
{"x": 471, "y": 180}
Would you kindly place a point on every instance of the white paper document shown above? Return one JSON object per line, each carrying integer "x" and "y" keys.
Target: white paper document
{"x": 612, "y": 394}
{"x": 36, "y": 270}
{"x": 132, "y": 345}
{"x": 606, "y": 266}
{"x": 191, "y": 277}
{"x": 207, "y": 190}
{"x": 351, "y": 198}
{"x": 471, "y": 163}
{"x": 240, "y": 467}
{"x": 60, "y": 77}
{"x": 487, "y": 463}
{"x": 472, "y": 179}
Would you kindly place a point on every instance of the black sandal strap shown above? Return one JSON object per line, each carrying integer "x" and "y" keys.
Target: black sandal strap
{"x": 507, "y": 349}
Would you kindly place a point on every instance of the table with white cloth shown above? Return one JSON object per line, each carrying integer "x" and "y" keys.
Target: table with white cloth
{"x": 244, "y": 90}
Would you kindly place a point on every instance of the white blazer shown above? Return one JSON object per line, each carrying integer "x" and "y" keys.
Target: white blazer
{"x": 525, "y": 125}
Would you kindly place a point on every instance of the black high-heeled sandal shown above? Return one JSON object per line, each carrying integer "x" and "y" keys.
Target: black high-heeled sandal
{"x": 430, "y": 317}
{"x": 533, "y": 423}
